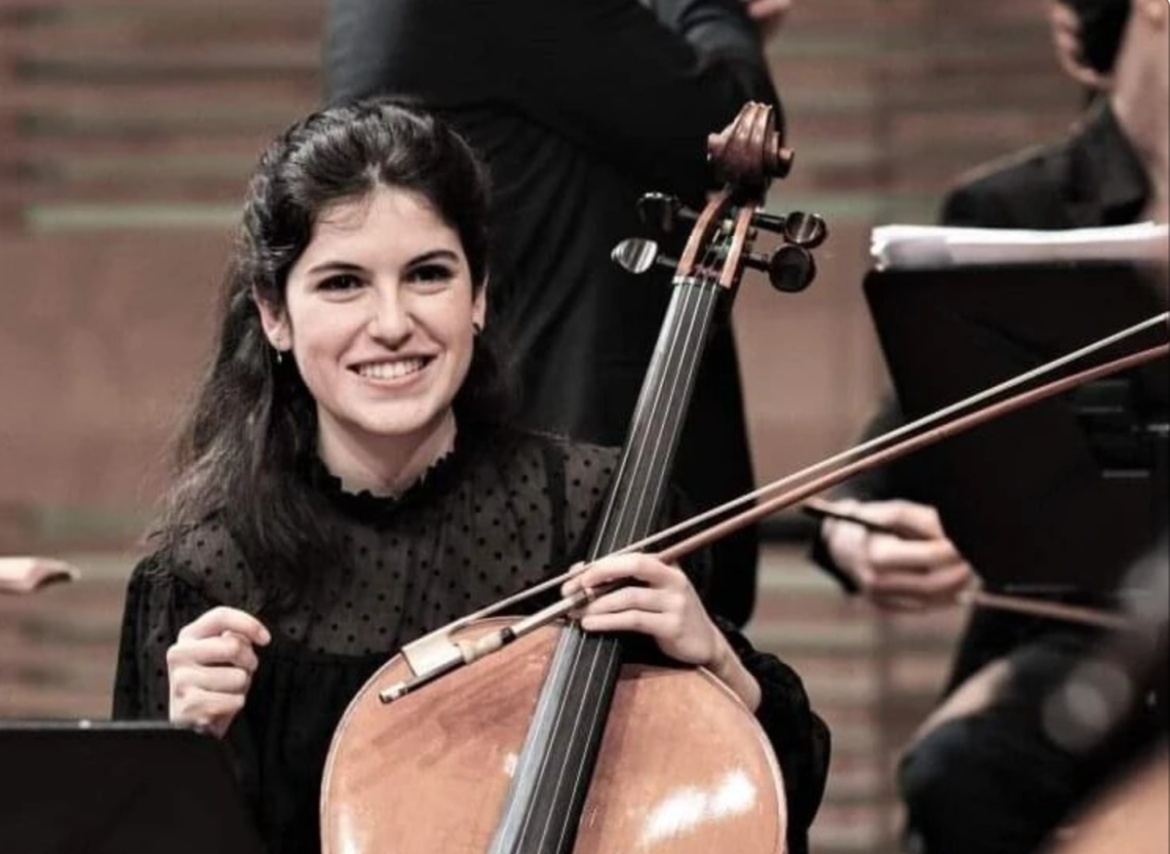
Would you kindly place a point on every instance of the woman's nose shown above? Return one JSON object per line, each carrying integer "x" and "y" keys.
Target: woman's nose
{"x": 390, "y": 322}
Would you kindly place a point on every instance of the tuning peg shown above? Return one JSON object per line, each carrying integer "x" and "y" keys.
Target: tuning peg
{"x": 791, "y": 268}
{"x": 769, "y": 222}
{"x": 807, "y": 230}
{"x": 637, "y": 255}
{"x": 662, "y": 212}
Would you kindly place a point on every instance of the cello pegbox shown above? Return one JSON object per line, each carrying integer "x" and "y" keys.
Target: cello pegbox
{"x": 750, "y": 151}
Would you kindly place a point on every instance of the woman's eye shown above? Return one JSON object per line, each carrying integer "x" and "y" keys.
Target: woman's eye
{"x": 436, "y": 273}
{"x": 340, "y": 282}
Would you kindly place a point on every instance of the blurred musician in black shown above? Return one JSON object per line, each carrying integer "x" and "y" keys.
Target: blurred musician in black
{"x": 579, "y": 107}
{"x": 984, "y": 776}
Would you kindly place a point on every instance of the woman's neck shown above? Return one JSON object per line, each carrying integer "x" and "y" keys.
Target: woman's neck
{"x": 386, "y": 467}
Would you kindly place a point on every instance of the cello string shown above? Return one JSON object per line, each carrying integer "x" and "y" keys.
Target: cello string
{"x": 647, "y": 458}
{"x": 618, "y": 505}
{"x": 693, "y": 351}
{"x": 646, "y": 407}
{"x": 695, "y": 281}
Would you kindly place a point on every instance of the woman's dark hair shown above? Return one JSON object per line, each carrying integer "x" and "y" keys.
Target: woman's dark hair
{"x": 252, "y": 429}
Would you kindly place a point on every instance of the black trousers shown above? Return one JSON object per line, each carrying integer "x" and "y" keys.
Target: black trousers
{"x": 1002, "y": 780}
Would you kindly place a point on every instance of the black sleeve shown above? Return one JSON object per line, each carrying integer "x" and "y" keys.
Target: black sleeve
{"x": 631, "y": 85}
{"x": 634, "y": 88}
{"x": 799, "y": 737}
{"x": 158, "y": 605}
{"x": 974, "y": 206}
{"x": 154, "y": 613}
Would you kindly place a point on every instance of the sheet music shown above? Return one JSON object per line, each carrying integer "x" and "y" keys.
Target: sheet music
{"x": 907, "y": 247}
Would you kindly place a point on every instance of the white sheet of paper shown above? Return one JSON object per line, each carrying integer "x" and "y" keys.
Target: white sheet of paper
{"x": 907, "y": 247}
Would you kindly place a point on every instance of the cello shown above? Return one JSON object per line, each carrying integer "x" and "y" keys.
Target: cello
{"x": 556, "y": 744}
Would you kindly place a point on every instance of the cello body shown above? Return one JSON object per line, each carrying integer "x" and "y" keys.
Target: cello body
{"x": 683, "y": 767}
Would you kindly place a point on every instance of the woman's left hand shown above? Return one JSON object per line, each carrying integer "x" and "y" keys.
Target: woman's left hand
{"x": 665, "y": 606}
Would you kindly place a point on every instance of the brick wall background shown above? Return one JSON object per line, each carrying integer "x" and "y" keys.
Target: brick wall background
{"x": 127, "y": 128}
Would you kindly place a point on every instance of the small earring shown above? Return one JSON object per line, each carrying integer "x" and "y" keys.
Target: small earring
{"x": 280, "y": 357}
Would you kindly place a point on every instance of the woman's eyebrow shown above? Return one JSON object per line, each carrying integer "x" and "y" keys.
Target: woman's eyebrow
{"x": 434, "y": 255}
{"x": 336, "y": 267}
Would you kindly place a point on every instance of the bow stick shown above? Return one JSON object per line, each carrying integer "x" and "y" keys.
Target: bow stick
{"x": 883, "y": 449}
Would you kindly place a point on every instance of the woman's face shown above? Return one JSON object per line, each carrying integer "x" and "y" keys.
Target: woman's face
{"x": 380, "y": 315}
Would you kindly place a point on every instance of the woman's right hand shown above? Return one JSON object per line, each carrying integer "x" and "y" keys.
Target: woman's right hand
{"x": 210, "y": 667}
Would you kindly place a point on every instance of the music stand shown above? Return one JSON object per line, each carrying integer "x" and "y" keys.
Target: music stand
{"x": 119, "y": 788}
{"x": 1062, "y": 495}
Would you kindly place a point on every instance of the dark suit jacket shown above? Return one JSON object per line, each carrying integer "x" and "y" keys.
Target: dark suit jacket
{"x": 1091, "y": 178}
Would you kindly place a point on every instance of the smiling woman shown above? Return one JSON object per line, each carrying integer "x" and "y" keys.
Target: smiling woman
{"x": 380, "y": 315}
{"x": 345, "y": 482}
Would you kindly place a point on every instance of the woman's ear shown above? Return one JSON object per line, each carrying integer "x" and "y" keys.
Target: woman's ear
{"x": 275, "y": 323}
{"x": 479, "y": 306}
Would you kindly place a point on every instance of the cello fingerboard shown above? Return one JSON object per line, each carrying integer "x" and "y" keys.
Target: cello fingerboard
{"x": 543, "y": 806}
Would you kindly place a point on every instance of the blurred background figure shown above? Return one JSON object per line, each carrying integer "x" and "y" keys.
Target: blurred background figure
{"x": 985, "y": 751}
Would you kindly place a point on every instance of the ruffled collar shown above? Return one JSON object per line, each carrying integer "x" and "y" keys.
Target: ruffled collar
{"x": 367, "y": 506}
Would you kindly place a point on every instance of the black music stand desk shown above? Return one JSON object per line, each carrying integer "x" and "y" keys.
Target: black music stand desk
{"x": 119, "y": 788}
{"x": 1064, "y": 494}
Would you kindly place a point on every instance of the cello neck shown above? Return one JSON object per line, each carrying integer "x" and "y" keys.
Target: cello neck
{"x": 543, "y": 806}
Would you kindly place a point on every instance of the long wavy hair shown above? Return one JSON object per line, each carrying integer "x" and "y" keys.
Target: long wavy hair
{"x": 252, "y": 424}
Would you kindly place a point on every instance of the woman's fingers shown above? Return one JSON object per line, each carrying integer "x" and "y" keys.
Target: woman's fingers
{"x": 646, "y": 599}
{"x": 626, "y": 569}
{"x": 222, "y": 680}
{"x": 212, "y": 709}
{"x": 226, "y": 649}
{"x": 210, "y": 667}
{"x": 222, "y": 619}
{"x": 660, "y": 626}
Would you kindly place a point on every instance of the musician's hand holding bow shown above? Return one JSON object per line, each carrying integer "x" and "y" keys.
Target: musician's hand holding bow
{"x": 660, "y": 601}
{"x": 210, "y": 667}
{"x": 914, "y": 568}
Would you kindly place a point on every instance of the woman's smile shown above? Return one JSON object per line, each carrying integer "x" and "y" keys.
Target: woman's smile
{"x": 398, "y": 371}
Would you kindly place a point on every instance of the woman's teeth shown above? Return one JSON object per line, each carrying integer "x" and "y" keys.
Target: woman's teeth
{"x": 391, "y": 370}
